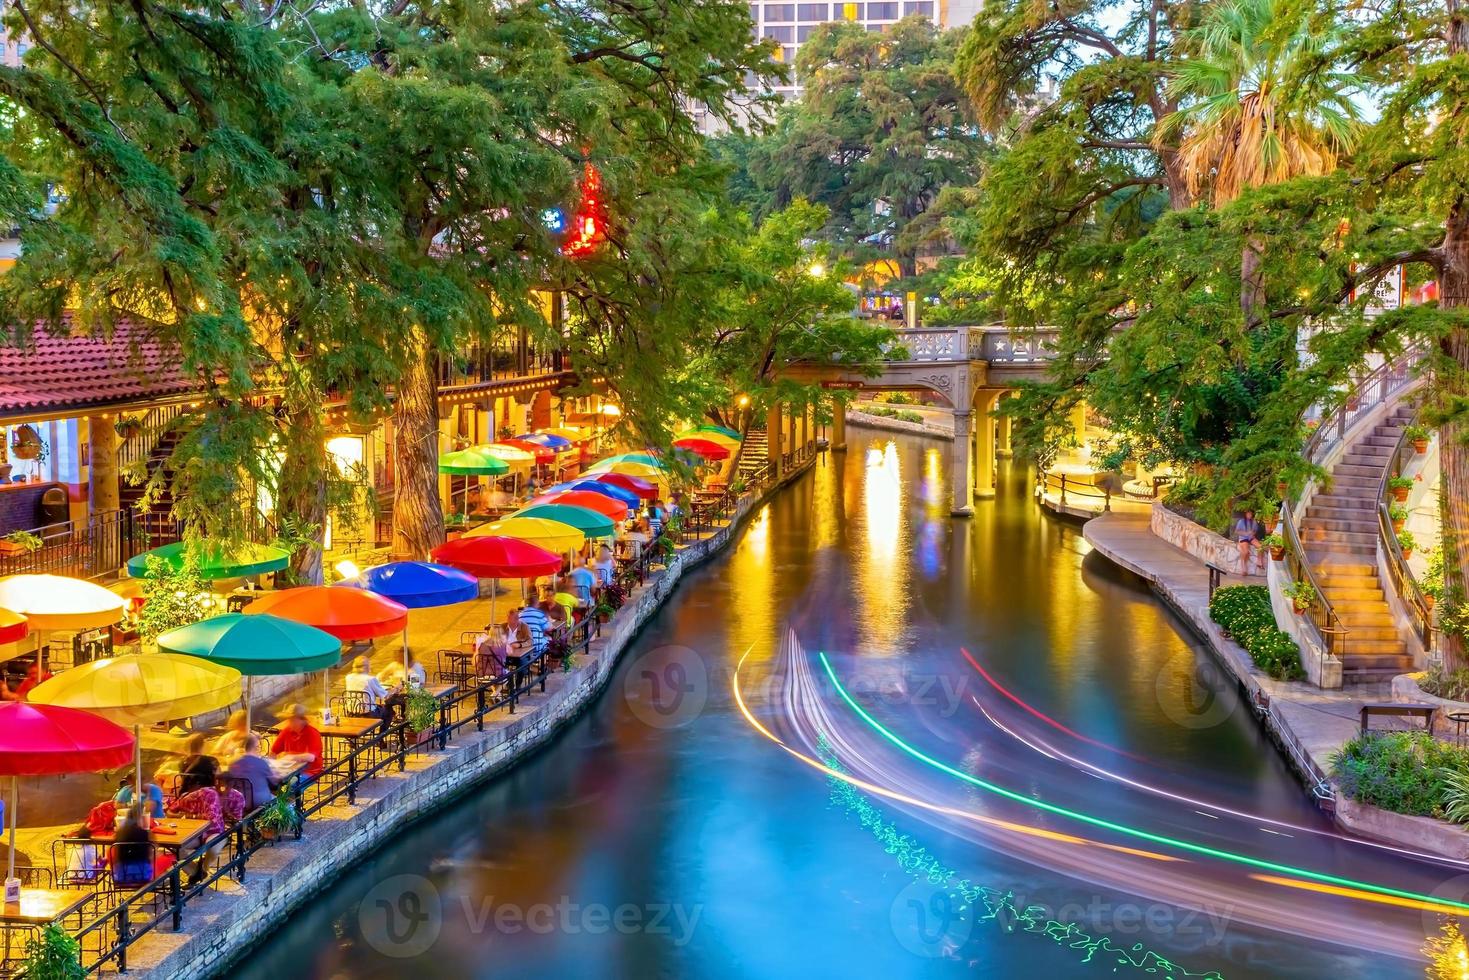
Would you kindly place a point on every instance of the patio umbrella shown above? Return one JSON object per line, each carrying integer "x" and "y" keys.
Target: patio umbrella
{"x": 702, "y": 447}
{"x": 727, "y": 441}
{"x": 720, "y": 429}
{"x": 568, "y": 432}
{"x": 417, "y": 585}
{"x": 548, "y": 439}
{"x": 612, "y": 509}
{"x": 140, "y": 690}
{"x": 514, "y": 456}
{"x": 644, "y": 489}
{"x": 631, "y": 467}
{"x": 13, "y": 626}
{"x": 549, "y": 535}
{"x": 472, "y": 462}
{"x": 57, "y": 602}
{"x": 589, "y": 522}
{"x": 648, "y": 459}
{"x": 44, "y": 740}
{"x": 495, "y": 557}
{"x": 215, "y": 562}
{"x": 609, "y": 490}
{"x": 256, "y": 644}
{"x": 541, "y": 454}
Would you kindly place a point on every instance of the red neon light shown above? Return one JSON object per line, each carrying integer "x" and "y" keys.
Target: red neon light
{"x": 589, "y": 226}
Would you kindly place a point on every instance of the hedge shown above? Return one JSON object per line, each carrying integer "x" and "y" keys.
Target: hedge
{"x": 1243, "y": 611}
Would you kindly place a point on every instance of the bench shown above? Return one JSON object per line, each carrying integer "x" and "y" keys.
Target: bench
{"x": 1399, "y": 710}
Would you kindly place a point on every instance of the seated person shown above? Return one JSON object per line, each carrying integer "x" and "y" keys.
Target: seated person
{"x": 371, "y": 692}
{"x": 199, "y": 769}
{"x": 606, "y": 567}
{"x": 583, "y": 581}
{"x": 255, "y": 769}
{"x": 534, "y": 619}
{"x": 151, "y": 790}
{"x": 298, "y": 738}
{"x": 34, "y": 675}
{"x": 232, "y": 742}
{"x": 490, "y": 650}
{"x": 132, "y": 858}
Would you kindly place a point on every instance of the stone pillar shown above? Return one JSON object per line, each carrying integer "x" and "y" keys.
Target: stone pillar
{"x": 1002, "y": 445}
{"x": 773, "y": 422}
{"x": 838, "y": 426}
{"x": 1078, "y": 423}
{"x": 984, "y": 452}
{"x": 446, "y": 444}
{"x": 804, "y": 422}
{"x": 102, "y": 486}
{"x": 959, "y": 468}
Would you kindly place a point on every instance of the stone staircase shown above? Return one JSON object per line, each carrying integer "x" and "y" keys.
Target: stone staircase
{"x": 754, "y": 453}
{"x": 155, "y": 519}
{"x": 1339, "y": 533}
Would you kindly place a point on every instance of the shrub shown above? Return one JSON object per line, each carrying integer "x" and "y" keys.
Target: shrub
{"x": 1405, "y": 772}
{"x": 1415, "y": 433}
{"x": 1400, "y": 483}
{"x": 910, "y": 416}
{"x": 1450, "y": 685}
{"x": 1244, "y": 612}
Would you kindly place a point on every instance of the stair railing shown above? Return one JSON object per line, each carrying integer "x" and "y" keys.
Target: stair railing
{"x": 140, "y": 445}
{"x": 1401, "y": 576}
{"x": 1331, "y": 635}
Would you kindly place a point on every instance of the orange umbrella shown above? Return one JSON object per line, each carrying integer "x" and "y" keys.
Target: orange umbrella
{"x": 347, "y": 614}
{"x": 600, "y": 503}
{"x": 13, "y": 626}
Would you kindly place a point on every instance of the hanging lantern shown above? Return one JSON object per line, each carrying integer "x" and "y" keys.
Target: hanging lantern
{"x": 588, "y": 227}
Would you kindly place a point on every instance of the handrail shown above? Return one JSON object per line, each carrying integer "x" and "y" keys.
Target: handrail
{"x": 1321, "y": 615}
{"x": 140, "y": 445}
{"x": 1048, "y": 481}
{"x": 1379, "y": 385}
{"x": 1403, "y": 580}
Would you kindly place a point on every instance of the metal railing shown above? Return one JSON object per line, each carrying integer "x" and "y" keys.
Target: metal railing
{"x": 1057, "y": 483}
{"x": 1331, "y": 635}
{"x": 1403, "y": 581}
{"x": 150, "y": 429}
{"x": 90, "y": 549}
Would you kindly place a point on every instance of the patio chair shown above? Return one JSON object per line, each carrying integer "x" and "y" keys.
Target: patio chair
{"x": 77, "y": 862}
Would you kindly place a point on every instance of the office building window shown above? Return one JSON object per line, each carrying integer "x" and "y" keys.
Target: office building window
{"x": 924, "y": 7}
{"x": 883, "y": 11}
{"x": 785, "y": 35}
{"x": 811, "y": 11}
{"x": 779, "y": 11}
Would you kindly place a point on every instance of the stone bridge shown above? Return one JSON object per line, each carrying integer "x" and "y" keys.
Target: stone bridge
{"x": 970, "y": 368}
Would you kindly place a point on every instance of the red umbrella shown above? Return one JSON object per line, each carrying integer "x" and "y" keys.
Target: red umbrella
{"x": 644, "y": 489}
{"x": 705, "y": 448}
{"x": 13, "y": 626}
{"x": 543, "y": 454}
{"x": 45, "y": 740}
{"x": 347, "y": 614}
{"x": 497, "y": 556}
{"x": 603, "y": 505}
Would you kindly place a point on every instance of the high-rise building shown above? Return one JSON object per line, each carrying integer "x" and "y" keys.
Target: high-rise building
{"x": 11, "y": 48}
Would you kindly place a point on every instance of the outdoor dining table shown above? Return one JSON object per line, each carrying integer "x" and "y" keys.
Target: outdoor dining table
{"x": 349, "y": 729}
{"x": 37, "y": 907}
{"x": 182, "y": 835}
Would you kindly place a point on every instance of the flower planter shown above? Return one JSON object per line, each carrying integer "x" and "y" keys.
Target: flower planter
{"x": 1299, "y": 607}
{"x": 1400, "y": 494}
{"x": 1420, "y": 446}
{"x": 1428, "y": 602}
{"x": 1407, "y": 553}
{"x": 453, "y": 534}
{"x": 1277, "y": 554}
{"x": 10, "y": 548}
{"x": 1397, "y": 526}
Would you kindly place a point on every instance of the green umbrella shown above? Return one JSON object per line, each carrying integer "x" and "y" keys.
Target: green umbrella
{"x": 214, "y": 561}
{"x": 256, "y": 646}
{"x": 648, "y": 459}
{"x": 720, "y": 429}
{"x": 472, "y": 462}
{"x": 588, "y": 522}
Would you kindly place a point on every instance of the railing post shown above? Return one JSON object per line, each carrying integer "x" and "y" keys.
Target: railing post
{"x": 479, "y": 708}
{"x": 352, "y": 776}
{"x": 176, "y": 896}
{"x": 124, "y": 928}
{"x": 1063, "y": 488}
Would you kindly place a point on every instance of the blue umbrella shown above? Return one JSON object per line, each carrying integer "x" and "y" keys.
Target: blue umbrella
{"x": 619, "y": 494}
{"x": 548, "y": 440}
{"x": 418, "y": 584}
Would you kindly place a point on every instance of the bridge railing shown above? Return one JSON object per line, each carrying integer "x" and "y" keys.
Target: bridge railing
{"x": 995, "y": 343}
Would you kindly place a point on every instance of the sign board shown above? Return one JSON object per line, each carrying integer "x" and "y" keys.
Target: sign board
{"x": 842, "y": 385}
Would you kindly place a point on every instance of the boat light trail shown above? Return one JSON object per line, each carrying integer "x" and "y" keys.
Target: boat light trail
{"x": 1425, "y": 902}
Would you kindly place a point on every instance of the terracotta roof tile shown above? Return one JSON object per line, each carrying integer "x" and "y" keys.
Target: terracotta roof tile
{"x": 59, "y": 373}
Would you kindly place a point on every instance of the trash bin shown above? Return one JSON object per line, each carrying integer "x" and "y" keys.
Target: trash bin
{"x": 53, "y": 508}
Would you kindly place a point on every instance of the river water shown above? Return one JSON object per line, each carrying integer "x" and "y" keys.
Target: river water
{"x": 683, "y": 828}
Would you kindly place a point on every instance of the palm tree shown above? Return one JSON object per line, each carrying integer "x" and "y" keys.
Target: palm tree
{"x": 1262, "y": 101}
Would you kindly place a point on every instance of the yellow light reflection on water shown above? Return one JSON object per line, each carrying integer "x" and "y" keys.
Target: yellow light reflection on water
{"x": 882, "y": 576}
{"x": 753, "y": 621}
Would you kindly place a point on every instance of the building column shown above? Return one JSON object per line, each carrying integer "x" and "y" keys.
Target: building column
{"x": 103, "y": 492}
{"x": 1078, "y": 423}
{"x": 773, "y": 422}
{"x": 984, "y": 453}
{"x": 1002, "y": 445}
{"x": 959, "y": 467}
{"x": 838, "y": 426}
{"x": 446, "y": 444}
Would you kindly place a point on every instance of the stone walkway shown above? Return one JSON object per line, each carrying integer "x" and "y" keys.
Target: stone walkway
{"x": 1318, "y": 721}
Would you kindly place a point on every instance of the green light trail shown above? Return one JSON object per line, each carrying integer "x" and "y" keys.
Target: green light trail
{"x": 1122, "y": 828}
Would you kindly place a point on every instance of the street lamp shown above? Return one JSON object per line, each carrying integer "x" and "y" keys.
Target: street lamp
{"x": 817, "y": 270}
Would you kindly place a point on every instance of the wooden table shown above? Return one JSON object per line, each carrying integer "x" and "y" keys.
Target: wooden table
{"x": 38, "y": 907}
{"x": 186, "y": 831}
{"x": 347, "y": 729}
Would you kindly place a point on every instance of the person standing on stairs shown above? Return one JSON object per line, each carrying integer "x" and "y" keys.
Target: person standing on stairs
{"x": 1247, "y": 534}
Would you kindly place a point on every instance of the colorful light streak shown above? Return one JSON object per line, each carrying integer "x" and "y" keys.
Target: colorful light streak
{"x": 1424, "y": 902}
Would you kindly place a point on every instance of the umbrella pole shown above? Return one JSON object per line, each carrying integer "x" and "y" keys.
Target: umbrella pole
{"x": 137, "y": 767}
{"x": 249, "y": 705}
{"x": 405, "y": 652}
{"x": 14, "y": 819}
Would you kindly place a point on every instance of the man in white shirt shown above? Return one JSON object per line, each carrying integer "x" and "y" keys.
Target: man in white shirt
{"x": 362, "y": 681}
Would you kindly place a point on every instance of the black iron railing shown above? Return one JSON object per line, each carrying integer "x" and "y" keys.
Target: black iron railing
{"x": 1420, "y": 613}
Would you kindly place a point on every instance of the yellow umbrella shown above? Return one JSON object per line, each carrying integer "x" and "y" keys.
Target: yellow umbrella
{"x": 550, "y": 535}
{"x": 631, "y": 467}
{"x": 719, "y": 438}
{"x": 142, "y": 689}
{"x": 57, "y": 602}
{"x": 568, "y": 432}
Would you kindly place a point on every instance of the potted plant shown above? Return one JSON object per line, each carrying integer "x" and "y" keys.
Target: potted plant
{"x": 614, "y": 596}
{"x": 1398, "y": 514}
{"x": 26, "y": 443}
{"x": 53, "y": 954}
{"x": 559, "y": 651}
{"x": 1276, "y": 544}
{"x": 128, "y": 426}
{"x": 1301, "y": 595}
{"x": 1269, "y": 514}
{"x": 421, "y": 710}
{"x": 1418, "y": 436}
{"x": 454, "y": 525}
{"x": 279, "y": 817}
{"x": 1281, "y": 489}
{"x": 20, "y": 543}
{"x": 1400, "y": 485}
{"x": 603, "y": 610}
{"x": 1406, "y": 542}
{"x": 1432, "y": 583}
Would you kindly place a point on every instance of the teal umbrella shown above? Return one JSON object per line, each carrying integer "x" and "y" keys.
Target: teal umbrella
{"x": 256, "y": 646}
{"x": 472, "y": 462}
{"x": 647, "y": 459}
{"x": 588, "y": 522}
{"x": 215, "y": 562}
{"x": 720, "y": 429}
